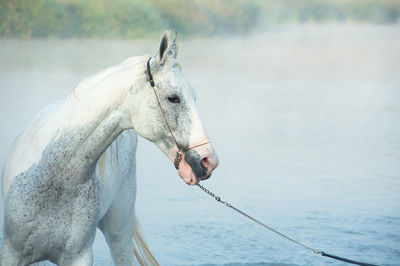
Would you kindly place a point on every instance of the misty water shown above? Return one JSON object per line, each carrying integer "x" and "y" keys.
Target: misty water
{"x": 306, "y": 123}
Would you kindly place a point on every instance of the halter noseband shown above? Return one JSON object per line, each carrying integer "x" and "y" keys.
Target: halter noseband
{"x": 180, "y": 151}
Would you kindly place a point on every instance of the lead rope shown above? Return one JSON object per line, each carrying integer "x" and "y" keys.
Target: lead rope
{"x": 180, "y": 151}
{"x": 316, "y": 251}
{"x": 178, "y": 158}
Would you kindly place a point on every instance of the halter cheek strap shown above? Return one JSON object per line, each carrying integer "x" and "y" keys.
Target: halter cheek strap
{"x": 181, "y": 151}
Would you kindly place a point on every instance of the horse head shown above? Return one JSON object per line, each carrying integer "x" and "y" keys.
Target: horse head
{"x": 165, "y": 113}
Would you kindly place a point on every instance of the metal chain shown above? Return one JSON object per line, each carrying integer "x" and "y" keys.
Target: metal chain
{"x": 178, "y": 158}
{"x": 316, "y": 251}
{"x": 227, "y": 204}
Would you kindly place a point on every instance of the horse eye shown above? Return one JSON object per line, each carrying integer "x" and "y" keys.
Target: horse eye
{"x": 174, "y": 99}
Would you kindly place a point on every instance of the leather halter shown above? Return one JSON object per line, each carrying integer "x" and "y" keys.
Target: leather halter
{"x": 181, "y": 150}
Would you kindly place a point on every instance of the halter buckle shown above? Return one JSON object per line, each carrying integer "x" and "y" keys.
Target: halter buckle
{"x": 178, "y": 159}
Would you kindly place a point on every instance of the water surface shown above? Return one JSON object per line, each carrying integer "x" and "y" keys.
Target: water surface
{"x": 306, "y": 122}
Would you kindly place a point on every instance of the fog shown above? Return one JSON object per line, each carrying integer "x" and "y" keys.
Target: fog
{"x": 305, "y": 119}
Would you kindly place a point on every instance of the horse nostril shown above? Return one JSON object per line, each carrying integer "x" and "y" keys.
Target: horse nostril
{"x": 205, "y": 162}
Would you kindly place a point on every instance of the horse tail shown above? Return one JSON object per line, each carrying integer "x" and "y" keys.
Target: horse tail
{"x": 142, "y": 252}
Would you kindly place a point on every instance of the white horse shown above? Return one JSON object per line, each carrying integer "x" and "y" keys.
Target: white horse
{"x": 73, "y": 169}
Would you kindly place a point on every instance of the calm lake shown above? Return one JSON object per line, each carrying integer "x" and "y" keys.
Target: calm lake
{"x": 306, "y": 123}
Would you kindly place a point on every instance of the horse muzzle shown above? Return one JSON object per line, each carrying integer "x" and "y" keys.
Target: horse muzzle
{"x": 197, "y": 165}
{"x": 210, "y": 163}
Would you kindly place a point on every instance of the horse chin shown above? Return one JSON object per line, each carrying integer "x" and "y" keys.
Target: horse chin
{"x": 187, "y": 174}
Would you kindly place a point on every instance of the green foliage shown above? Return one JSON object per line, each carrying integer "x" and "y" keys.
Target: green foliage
{"x": 74, "y": 18}
{"x": 145, "y": 18}
{"x": 309, "y": 11}
{"x": 122, "y": 18}
{"x": 206, "y": 17}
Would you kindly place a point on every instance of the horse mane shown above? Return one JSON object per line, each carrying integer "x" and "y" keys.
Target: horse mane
{"x": 95, "y": 79}
{"x": 101, "y": 162}
{"x": 142, "y": 252}
{"x": 102, "y": 159}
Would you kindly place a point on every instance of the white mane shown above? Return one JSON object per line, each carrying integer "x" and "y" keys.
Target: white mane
{"x": 93, "y": 80}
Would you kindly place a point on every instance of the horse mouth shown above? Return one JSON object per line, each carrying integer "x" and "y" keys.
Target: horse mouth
{"x": 189, "y": 177}
{"x": 194, "y": 168}
{"x": 205, "y": 177}
{"x": 191, "y": 170}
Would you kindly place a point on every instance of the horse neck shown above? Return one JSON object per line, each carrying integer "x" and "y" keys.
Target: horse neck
{"x": 92, "y": 119}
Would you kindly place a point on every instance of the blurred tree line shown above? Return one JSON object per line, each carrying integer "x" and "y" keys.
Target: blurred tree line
{"x": 147, "y": 18}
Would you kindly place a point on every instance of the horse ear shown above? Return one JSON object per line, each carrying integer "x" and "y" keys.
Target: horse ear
{"x": 163, "y": 47}
{"x": 175, "y": 47}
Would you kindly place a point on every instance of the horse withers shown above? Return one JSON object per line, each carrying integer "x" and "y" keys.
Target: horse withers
{"x": 74, "y": 168}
